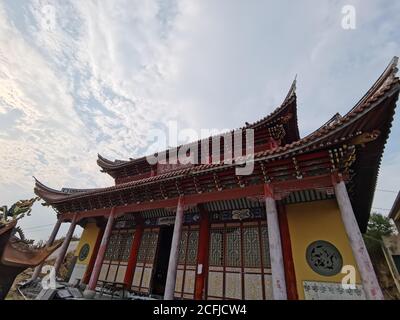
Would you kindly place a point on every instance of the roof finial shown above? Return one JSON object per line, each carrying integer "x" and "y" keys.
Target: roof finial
{"x": 395, "y": 61}
{"x": 292, "y": 90}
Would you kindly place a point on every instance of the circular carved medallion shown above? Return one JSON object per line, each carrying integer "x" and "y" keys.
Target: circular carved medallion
{"x": 324, "y": 258}
{"x": 84, "y": 252}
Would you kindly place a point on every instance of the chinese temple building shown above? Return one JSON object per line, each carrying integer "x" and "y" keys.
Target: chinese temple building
{"x": 292, "y": 229}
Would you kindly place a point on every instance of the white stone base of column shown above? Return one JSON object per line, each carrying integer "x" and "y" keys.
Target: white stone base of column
{"x": 89, "y": 294}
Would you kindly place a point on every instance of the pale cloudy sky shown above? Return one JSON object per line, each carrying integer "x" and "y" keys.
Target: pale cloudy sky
{"x": 82, "y": 77}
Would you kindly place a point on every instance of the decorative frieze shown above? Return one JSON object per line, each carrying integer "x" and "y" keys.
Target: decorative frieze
{"x": 314, "y": 290}
{"x": 240, "y": 214}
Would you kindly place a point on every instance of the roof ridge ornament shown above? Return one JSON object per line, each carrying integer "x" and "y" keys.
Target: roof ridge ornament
{"x": 292, "y": 90}
{"x": 335, "y": 119}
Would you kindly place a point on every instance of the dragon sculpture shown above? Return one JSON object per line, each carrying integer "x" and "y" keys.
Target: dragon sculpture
{"x": 16, "y": 252}
{"x": 18, "y": 209}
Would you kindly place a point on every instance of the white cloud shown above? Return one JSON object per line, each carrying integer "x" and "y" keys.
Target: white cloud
{"x": 107, "y": 72}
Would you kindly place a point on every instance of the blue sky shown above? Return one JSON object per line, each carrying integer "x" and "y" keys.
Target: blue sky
{"x": 82, "y": 77}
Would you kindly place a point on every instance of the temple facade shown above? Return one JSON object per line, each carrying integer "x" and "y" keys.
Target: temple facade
{"x": 292, "y": 229}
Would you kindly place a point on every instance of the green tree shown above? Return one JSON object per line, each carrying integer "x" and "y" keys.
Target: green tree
{"x": 378, "y": 226}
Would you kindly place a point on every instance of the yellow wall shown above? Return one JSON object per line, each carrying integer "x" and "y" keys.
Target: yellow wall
{"x": 312, "y": 221}
{"x": 89, "y": 236}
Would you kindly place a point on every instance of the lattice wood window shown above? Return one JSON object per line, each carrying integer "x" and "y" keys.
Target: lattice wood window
{"x": 112, "y": 247}
{"x": 117, "y": 255}
{"x": 188, "y": 247}
{"x": 239, "y": 261}
{"x": 193, "y": 243}
{"x": 182, "y": 248}
{"x": 145, "y": 260}
{"x": 148, "y": 247}
{"x": 117, "y": 250}
{"x": 251, "y": 250}
{"x": 126, "y": 244}
{"x": 233, "y": 247}
{"x": 187, "y": 262}
{"x": 265, "y": 247}
{"x": 216, "y": 257}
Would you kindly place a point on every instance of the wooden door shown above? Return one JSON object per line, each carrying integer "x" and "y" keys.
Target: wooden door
{"x": 116, "y": 257}
{"x": 145, "y": 260}
{"x": 239, "y": 262}
{"x": 187, "y": 262}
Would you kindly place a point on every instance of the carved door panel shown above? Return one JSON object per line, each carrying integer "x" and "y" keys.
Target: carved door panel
{"x": 187, "y": 262}
{"x": 116, "y": 256}
{"x": 145, "y": 260}
{"x": 239, "y": 266}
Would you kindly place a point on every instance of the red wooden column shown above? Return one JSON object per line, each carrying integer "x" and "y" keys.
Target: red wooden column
{"x": 89, "y": 269}
{"x": 130, "y": 271}
{"x": 90, "y": 290}
{"x": 290, "y": 275}
{"x": 173, "y": 256}
{"x": 53, "y": 235}
{"x": 65, "y": 244}
{"x": 202, "y": 254}
{"x": 275, "y": 246}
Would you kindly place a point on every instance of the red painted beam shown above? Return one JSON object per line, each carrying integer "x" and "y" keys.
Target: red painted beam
{"x": 67, "y": 216}
{"x": 313, "y": 155}
{"x": 229, "y": 194}
{"x": 317, "y": 182}
{"x": 172, "y": 203}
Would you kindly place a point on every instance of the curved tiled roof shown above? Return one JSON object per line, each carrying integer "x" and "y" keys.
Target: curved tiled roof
{"x": 288, "y": 105}
{"x": 364, "y": 116}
